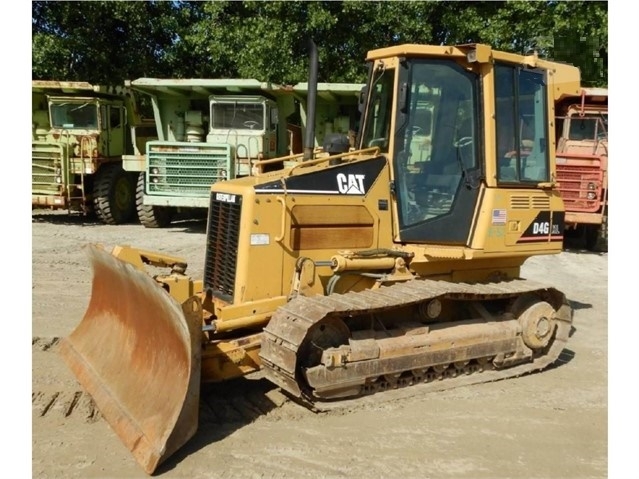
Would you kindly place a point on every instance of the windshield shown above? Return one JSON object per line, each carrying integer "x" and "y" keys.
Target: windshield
{"x": 588, "y": 127}
{"x": 74, "y": 115}
{"x": 237, "y": 116}
{"x": 436, "y": 139}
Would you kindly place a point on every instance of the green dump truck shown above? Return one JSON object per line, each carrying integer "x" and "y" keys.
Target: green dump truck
{"x": 79, "y": 133}
{"x": 217, "y": 129}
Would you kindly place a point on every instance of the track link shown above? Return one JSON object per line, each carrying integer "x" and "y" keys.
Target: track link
{"x": 286, "y": 339}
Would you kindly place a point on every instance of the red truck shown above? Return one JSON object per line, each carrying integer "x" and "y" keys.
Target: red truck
{"x": 582, "y": 165}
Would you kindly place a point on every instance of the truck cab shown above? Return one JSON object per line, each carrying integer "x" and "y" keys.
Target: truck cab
{"x": 249, "y": 124}
{"x": 79, "y": 134}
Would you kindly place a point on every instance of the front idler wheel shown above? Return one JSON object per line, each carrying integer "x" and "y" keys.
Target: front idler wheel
{"x": 538, "y": 325}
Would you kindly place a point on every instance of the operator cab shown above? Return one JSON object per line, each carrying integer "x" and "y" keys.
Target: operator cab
{"x": 438, "y": 143}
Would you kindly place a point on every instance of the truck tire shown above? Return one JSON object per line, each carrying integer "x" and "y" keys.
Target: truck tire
{"x": 114, "y": 195}
{"x": 149, "y": 215}
{"x": 597, "y": 236}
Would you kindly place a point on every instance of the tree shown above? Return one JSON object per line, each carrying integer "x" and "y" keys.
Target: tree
{"x": 102, "y": 42}
{"x": 105, "y": 41}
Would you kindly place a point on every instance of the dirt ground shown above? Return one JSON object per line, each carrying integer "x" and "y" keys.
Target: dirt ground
{"x": 553, "y": 424}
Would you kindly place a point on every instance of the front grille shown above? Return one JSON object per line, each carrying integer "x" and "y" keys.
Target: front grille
{"x": 186, "y": 169}
{"x": 47, "y": 162}
{"x": 580, "y": 188}
{"x": 221, "y": 245}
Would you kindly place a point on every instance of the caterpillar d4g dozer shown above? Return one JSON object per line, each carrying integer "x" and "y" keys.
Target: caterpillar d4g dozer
{"x": 392, "y": 264}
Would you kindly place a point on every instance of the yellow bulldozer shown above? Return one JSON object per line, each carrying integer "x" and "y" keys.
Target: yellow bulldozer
{"x": 353, "y": 270}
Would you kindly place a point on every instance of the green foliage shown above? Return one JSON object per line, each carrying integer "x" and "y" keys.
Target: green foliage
{"x": 581, "y": 37}
{"x": 102, "y": 42}
{"x": 107, "y": 42}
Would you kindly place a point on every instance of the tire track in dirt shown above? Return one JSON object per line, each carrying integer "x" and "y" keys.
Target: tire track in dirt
{"x": 44, "y": 344}
{"x": 59, "y": 399}
{"x": 65, "y": 404}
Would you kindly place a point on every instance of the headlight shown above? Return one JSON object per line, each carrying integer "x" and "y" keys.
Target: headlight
{"x": 591, "y": 195}
{"x": 156, "y": 179}
{"x": 58, "y": 171}
{"x": 155, "y": 171}
{"x": 591, "y": 186}
{"x": 58, "y": 179}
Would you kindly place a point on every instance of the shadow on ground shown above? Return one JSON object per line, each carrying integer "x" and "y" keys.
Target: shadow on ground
{"x": 576, "y": 305}
{"x": 182, "y": 224}
{"x": 63, "y": 218}
{"x": 225, "y": 408}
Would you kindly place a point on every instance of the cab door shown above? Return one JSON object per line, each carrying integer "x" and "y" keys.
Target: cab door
{"x": 437, "y": 193}
{"x": 115, "y": 120}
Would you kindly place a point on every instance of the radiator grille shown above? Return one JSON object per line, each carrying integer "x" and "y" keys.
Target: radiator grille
{"x": 46, "y": 164}
{"x": 581, "y": 188}
{"x": 186, "y": 169}
{"x": 221, "y": 246}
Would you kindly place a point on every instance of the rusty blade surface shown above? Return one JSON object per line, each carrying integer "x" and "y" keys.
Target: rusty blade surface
{"x": 137, "y": 353}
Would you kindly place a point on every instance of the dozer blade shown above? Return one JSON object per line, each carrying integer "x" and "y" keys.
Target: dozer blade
{"x": 137, "y": 352}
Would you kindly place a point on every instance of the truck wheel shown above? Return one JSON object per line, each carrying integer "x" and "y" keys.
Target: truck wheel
{"x": 151, "y": 216}
{"x": 597, "y": 236}
{"x": 114, "y": 195}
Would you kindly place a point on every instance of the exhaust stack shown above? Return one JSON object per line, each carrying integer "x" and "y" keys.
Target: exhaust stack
{"x": 309, "y": 140}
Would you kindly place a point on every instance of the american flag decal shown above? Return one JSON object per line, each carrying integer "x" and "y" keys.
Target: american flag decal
{"x": 499, "y": 217}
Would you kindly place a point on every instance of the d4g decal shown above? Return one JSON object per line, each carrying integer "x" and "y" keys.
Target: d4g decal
{"x": 547, "y": 226}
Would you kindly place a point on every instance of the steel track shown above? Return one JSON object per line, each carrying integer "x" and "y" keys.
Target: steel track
{"x": 289, "y": 327}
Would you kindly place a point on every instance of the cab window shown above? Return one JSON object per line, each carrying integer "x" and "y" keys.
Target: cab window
{"x": 522, "y": 125}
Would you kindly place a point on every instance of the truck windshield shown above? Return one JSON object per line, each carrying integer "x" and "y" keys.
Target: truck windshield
{"x": 72, "y": 115}
{"x": 237, "y": 116}
{"x": 589, "y": 127}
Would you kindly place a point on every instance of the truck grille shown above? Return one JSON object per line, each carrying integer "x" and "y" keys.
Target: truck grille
{"x": 221, "y": 245}
{"x": 581, "y": 188}
{"x": 46, "y": 164}
{"x": 186, "y": 169}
